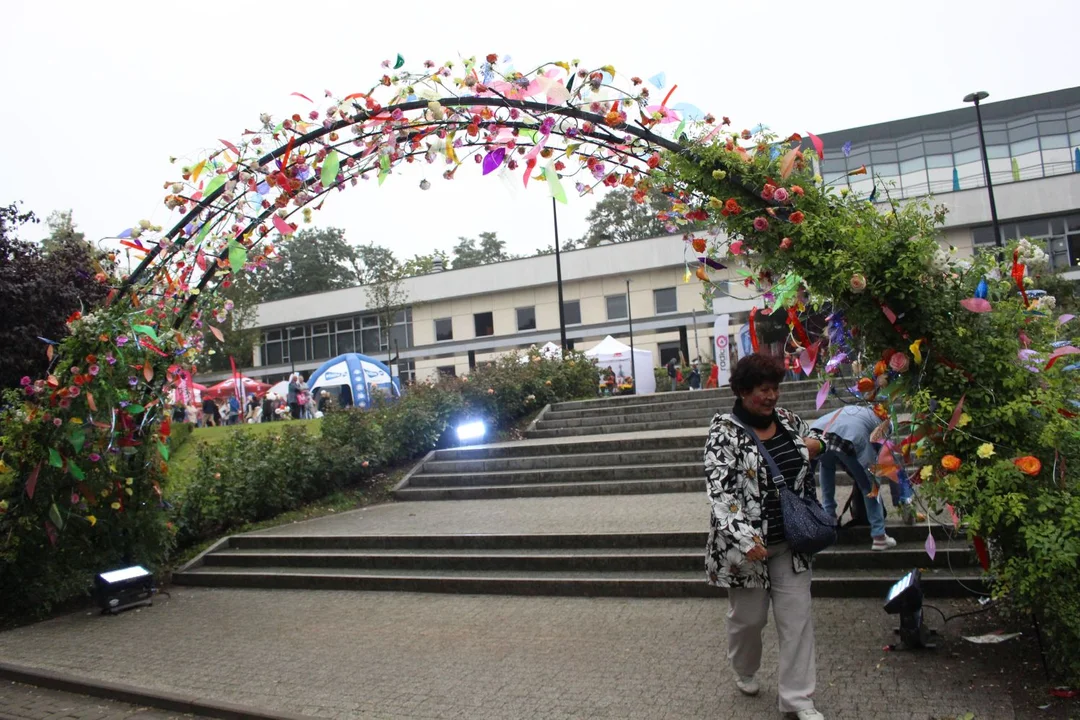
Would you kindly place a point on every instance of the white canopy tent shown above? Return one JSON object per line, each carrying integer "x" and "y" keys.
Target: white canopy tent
{"x": 610, "y": 353}
{"x": 551, "y": 351}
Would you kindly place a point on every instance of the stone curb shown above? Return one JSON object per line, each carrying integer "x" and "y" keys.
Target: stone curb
{"x": 173, "y": 702}
{"x": 412, "y": 471}
{"x": 538, "y": 418}
{"x": 197, "y": 561}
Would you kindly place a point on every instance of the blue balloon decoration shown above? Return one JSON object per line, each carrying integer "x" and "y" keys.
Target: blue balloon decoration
{"x": 982, "y": 290}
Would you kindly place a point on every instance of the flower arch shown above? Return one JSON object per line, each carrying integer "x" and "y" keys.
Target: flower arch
{"x": 961, "y": 346}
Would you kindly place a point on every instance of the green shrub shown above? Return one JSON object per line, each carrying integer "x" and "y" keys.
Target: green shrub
{"x": 248, "y": 477}
{"x": 180, "y": 434}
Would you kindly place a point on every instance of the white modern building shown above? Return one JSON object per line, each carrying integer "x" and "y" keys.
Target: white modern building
{"x": 458, "y": 318}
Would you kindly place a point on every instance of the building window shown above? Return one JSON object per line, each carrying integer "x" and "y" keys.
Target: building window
{"x": 526, "y": 318}
{"x": 274, "y": 349}
{"x": 668, "y": 351}
{"x": 444, "y": 330}
{"x": 572, "y": 312}
{"x": 664, "y": 301}
{"x": 298, "y": 348}
{"x": 406, "y": 372}
{"x": 320, "y": 341}
{"x": 616, "y": 307}
{"x": 346, "y": 341}
{"x": 484, "y": 323}
{"x": 447, "y": 371}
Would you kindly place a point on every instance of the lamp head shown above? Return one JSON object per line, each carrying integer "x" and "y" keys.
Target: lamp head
{"x": 976, "y": 96}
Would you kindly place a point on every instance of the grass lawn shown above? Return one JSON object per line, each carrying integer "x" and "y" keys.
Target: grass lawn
{"x": 185, "y": 459}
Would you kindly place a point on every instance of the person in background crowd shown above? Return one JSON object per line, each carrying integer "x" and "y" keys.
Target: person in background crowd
{"x": 177, "y": 412}
{"x": 324, "y": 401}
{"x": 293, "y": 396}
{"x": 233, "y": 410}
{"x": 345, "y": 396}
{"x": 694, "y": 378}
{"x": 714, "y": 377}
{"x": 191, "y": 414}
{"x": 672, "y": 371}
{"x": 747, "y": 551}
{"x": 210, "y": 413}
{"x": 268, "y": 408}
{"x": 252, "y": 412}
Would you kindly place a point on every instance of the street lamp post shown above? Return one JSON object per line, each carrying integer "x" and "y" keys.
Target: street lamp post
{"x": 558, "y": 277}
{"x": 630, "y": 322}
{"x": 975, "y": 97}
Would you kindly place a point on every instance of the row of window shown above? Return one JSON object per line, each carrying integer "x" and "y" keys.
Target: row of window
{"x": 1061, "y": 235}
{"x": 324, "y": 340}
{"x": 664, "y": 301}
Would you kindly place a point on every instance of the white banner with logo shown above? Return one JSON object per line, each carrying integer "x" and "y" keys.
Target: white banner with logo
{"x": 720, "y": 349}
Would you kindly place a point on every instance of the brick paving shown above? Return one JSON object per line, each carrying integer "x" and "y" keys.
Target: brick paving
{"x": 387, "y": 655}
{"x": 23, "y": 702}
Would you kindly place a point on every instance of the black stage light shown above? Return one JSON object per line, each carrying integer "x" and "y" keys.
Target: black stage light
{"x": 123, "y": 589}
{"x": 906, "y": 599}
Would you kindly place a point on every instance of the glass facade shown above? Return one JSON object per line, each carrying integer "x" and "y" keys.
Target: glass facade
{"x": 325, "y": 339}
{"x": 1060, "y": 234}
{"x": 1033, "y": 144}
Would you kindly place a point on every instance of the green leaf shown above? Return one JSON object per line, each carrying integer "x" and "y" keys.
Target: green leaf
{"x": 146, "y": 330}
{"x": 330, "y": 168}
{"x": 135, "y": 409}
{"x": 237, "y": 256}
{"x": 55, "y": 459}
{"x": 76, "y": 471}
{"x": 164, "y": 450}
{"x": 203, "y": 232}
{"x": 557, "y": 190}
{"x": 54, "y": 515}
{"x": 278, "y": 128}
{"x": 78, "y": 438}
{"x": 531, "y": 134}
{"x": 214, "y": 184}
{"x": 399, "y": 62}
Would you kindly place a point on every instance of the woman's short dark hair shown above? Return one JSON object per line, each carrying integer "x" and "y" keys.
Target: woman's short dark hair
{"x": 754, "y": 370}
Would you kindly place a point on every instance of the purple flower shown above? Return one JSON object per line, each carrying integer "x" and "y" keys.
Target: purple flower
{"x": 121, "y": 341}
{"x": 572, "y": 132}
{"x": 125, "y": 403}
{"x": 133, "y": 381}
{"x": 26, "y": 381}
{"x": 94, "y": 457}
{"x": 29, "y": 389}
{"x": 110, "y": 359}
{"x": 547, "y": 126}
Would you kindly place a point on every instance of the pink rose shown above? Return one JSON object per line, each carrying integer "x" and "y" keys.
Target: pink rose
{"x": 761, "y": 224}
{"x": 858, "y": 283}
{"x": 94, "y": 369}
{"x": 899, "y": 362}
{"x": 780, "y": 195}
{"x": 786, "y": 244}
{"x": 57, "y": 421}
{"x": 736, "y": 247}
{"x": 25, "y": 381}
{"x": 74, "y": 391}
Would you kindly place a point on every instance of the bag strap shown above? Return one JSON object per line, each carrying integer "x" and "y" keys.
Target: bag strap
{"x": 778, "y": 477}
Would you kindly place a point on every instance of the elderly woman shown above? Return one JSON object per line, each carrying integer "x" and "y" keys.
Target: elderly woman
{"x": 747, "y": 552}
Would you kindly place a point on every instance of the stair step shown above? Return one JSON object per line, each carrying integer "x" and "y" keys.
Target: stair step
{"x": 599, "y": 459}
{"x": 905, "y": 555}
{"x": 695, "y": 401}
{"x": 575, "y": 446}
{"x": 936, "y": 583}
{"x": 694, "y": 470}
{"x": 609, "y": 487}
{"x": 719, "y": 394}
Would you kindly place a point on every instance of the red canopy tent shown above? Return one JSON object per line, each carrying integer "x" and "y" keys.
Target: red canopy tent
{"x": 225, "y": 388}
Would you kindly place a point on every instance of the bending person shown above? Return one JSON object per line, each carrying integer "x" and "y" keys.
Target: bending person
{"x": 847, "y": 434}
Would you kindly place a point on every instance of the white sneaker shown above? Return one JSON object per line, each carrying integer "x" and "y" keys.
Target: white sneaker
{"x": 883, "y": 544}
{"x": 747, "y": 685}
{"x": 809, "y": 714}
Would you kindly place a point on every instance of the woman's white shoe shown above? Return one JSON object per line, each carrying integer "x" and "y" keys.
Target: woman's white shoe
{"x": 809, "y": 714}
{"x": 747, "y": 685}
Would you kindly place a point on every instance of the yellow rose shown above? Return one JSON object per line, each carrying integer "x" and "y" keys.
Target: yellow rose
{"x": 129, "y": 481}
{"x": 926, "y": 472}
{"x": 92, "y": 520}
{"x": 965, "y": 419}
{"x": 985, "y": 451}
{"x": 115, "y": 506}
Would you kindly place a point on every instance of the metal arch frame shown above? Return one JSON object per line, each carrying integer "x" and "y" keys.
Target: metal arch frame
{"x": 598, "y": 136}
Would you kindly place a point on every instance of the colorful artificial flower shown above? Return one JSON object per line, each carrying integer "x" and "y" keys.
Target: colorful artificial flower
{"x": 899, "y": 362}
{"x": 786, "y": 244}
{"x": 761, "y": 224}
{"x": 951, "y": 463}
{"x": 1029, "y": 465}
{"x": 698, "y": 244}
{"x": 926, "y": 472}
{"x": 797, "y": 217}
{"x": 865, "y": 385}
{"x": 731, "y": 207}
{"x": 92, "y": 520}
{"x": 26, "y": 381}
{"x": 965, "y": 419}
{"x": 858, "y": 283}
{"x": 985, "y": 451}
{"x": 916, "y": 351}
{"x": 880, "y": 368}
{"x": 737, "y": 247}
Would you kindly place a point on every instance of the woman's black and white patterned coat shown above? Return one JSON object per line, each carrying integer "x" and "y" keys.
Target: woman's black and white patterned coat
{"x": 736, "y": 477}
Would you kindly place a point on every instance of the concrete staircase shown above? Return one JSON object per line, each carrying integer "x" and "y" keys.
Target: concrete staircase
{"x": 662, "y": 564}
{"x": 661, "y": 411}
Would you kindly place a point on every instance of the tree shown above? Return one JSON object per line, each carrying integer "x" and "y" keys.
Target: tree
{"x": 387, "y": 297}
{"x": 61, "y": 228}
{"x": 424, "y": 264}
{"x": 491, "y": 249}
{"x": 373, "y": 262}
{"x": 311, "y": 261}
{"x": 616, "y": 217}
{"x": 39, "y": 290}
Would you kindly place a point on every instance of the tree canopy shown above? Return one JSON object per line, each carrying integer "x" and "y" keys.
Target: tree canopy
{"x": 490, "y": 249}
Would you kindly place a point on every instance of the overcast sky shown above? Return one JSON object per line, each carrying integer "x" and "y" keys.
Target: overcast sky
{"x": 98, "y": 95}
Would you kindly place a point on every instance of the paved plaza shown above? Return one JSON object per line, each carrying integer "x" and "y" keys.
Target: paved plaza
{"x": 23, "y": 702}
{"x": 389, "y": 655}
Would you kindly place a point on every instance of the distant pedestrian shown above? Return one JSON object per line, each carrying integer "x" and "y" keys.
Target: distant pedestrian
{"x": 268, "y": 408}
{"x": 672, "y": 371}
{"x": 210, "y": 412}
{"x": 293, "y": 396}
{"x": 694, "y": 378}
{"x": 345, "y": 396}
{"x": 324, "y": 401}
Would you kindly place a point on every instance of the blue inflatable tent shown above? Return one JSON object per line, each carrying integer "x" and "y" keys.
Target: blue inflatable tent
{"x": 360, "y": 373}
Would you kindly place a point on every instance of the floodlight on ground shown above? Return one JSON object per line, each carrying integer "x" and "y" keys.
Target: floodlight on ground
{"x": 124, "y": 588}
{"x": 905, "y": 599}
{"x": 470, "y": 431}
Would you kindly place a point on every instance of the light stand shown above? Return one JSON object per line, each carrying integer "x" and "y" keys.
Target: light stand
{"x": 906, "y": 599}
